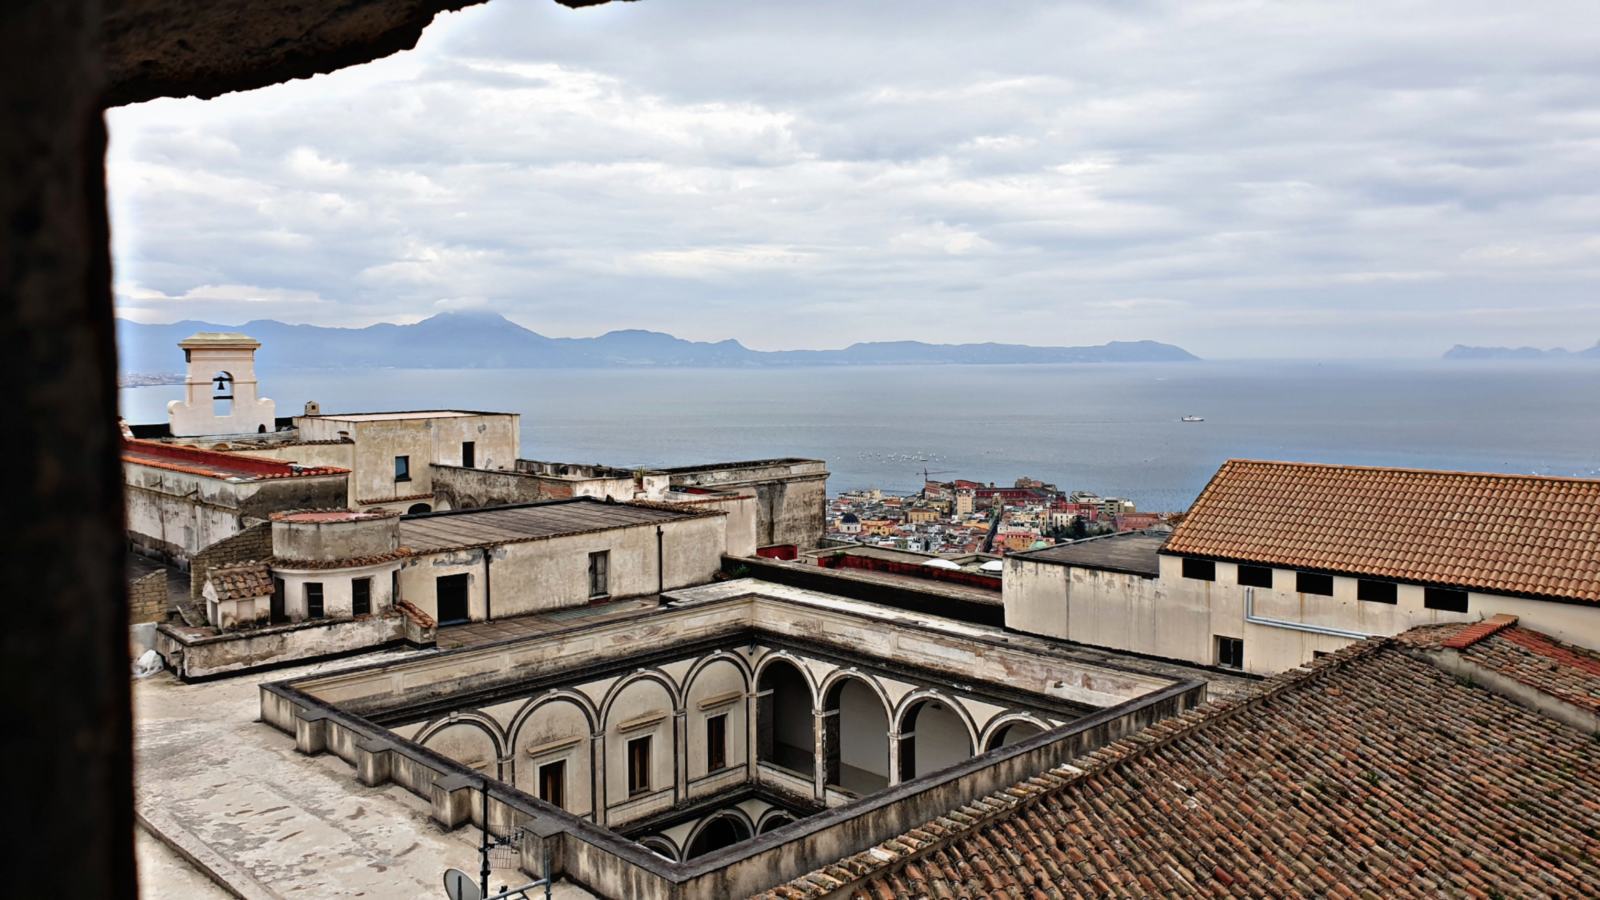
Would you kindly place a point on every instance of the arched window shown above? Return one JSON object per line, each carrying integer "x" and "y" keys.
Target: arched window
{"x": 222, "y": 394}
{"x": 932, "y": 737}
{"x": 784, "y": 734}
{"x": 857, "y": 737}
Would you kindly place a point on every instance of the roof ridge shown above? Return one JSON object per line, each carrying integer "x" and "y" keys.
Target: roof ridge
{"x": 977, "y": 813}
{"x": 1408, "y": 469}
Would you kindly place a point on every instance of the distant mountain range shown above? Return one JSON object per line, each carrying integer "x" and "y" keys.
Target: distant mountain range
{"x": 489, "y": 341}
{"x": 1460, "y": 351}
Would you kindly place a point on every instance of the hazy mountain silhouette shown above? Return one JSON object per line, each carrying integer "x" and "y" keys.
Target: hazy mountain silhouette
{"x": 472, "y": 340}
{"x": 1461, "y": 351}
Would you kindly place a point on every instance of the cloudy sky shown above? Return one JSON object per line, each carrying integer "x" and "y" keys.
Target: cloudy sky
{"x": 1263, "y": 179}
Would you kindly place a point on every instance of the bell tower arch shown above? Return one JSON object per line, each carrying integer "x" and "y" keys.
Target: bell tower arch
{"x": 220, "y": 391}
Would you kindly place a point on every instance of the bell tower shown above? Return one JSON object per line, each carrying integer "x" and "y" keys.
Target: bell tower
{"x": 219, "y": 391}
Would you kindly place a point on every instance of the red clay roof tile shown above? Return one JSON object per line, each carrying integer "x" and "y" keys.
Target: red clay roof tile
{"x": 1510, "y": 534}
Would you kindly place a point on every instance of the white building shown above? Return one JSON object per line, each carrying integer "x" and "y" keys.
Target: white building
{"x": 220, "y": 391}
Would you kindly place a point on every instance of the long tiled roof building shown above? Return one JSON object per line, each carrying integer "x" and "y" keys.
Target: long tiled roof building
{"x": 1408, "y": 766}
{"x": 1506, "y": 534}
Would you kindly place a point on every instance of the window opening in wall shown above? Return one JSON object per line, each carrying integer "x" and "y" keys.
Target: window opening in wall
{"x": 639, "y": 765}
{"x": 1230, "y": 652}
{"x": 1312, "y": 583}
{"x": 599, "y": 573}
{"x": 469, "y": 454}
{"x": 361, "y": 597}
{"x": 716, "y": 742}
{"x": 277, "y": 614}
{"x": 402, "y": 468}
{"x": 1200, "y": 569}
{"x": 222, "y": 394}
{"x": 1376, "y": 591}
{"x": 1445, "y": 600}
{"x": 1255, "y": 576}
{"x": 314, "y": 608}
{"x": 553, "y": 783}
{"x": 450, "y": 597}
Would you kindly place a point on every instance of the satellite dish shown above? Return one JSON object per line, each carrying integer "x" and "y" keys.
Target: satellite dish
{"x": 458, "y": 885}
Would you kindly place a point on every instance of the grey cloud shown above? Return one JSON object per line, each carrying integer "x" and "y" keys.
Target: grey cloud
{"x": 1340, "y": 179}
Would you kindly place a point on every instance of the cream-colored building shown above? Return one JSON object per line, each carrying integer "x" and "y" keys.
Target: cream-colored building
{"x": 1278, "y": 563}
{"x": 220, "y": 393}
{"x": 472, "y": 565}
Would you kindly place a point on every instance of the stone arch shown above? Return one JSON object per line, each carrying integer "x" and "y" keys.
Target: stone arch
{"x": 417, "y": 509}
{"x": 773, "y": 819}
{"x": 855, "y": 740}
{"x": 713, "y": 832}
{"x": 470, "y": 720}
{"x": 787, "y": 741}
{"x": 994, "y": 735}
{"x": 578, "y": 756}
{"x": 648, "y": 674}
{"x": 700, "y": 665}
{"x": 576, "y": 698}
{"x": 716, "y": 675}
{"x": 931, "y": 756}
{"x": 776, "y": 656}
{"x": 661, "y": 845}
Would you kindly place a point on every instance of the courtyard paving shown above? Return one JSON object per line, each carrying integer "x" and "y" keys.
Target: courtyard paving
{"x": 232, "y": 794}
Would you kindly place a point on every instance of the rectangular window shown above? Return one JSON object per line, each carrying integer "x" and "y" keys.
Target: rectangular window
{"x": 1445, "y": 599}
{"x": 1230, "y": 652}
{"x": 639, "y": 765}
{"x": 716, "y": 742}
{"x": 599, "y": 573}
{"x": 469, "y": 454}
{"x": 361, "y": 597}
{"x": 402, "y": 468}
{"x": 553, "y": 783}
{"x": 1312, "y": 583}
{"x": 314, "y": 608}
{"x": 1200, "y": 569}
{"x": 1255, "y": 576}
{"x": 1375, "y": 591}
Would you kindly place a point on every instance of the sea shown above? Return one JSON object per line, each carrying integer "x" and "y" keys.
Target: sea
{"x": 1109, "y": 428}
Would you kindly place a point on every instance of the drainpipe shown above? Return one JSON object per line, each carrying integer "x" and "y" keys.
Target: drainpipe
{"x": 1251, "y": 617}
{"x": 488, "y": 603}
{"x": 661, "y": 570}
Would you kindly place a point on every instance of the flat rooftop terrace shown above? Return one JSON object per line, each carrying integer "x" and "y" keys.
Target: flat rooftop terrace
{"x": 469, "y": 528}
{"x": 1132, "y": 553}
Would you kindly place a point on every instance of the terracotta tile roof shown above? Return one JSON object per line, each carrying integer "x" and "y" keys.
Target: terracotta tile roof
{"x": 241, "y": 581}
{"x": 1566, "y": 672}
{"x": 351, "y": 562}
{"x": 1510, "y": 534}
{"x": 214, "y": 464}
{"x": 1374, "y": 773}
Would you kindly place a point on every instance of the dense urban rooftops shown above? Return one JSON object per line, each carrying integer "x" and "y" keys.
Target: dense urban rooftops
{"x": 1133, "y": 553}
{"x": 1374, "y": 773}
{"x": 462, "y": 529}
{"x": 1509, "y": 534}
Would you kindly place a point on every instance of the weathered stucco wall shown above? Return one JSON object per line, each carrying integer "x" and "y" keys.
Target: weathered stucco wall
{"x": 178, "y": 514}
{"x": 531, "y": 576}
{"x": 1181, "y": 618}
{"x": 792, "y": 495}
{"x": 424, "y": 440}
{"x": 206, "y": 657}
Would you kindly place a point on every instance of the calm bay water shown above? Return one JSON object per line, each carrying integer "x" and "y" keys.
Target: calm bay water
{"x": 1107, "y": 428}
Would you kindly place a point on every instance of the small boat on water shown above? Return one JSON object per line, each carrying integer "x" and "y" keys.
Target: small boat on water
{"x": 1192, "y": 419}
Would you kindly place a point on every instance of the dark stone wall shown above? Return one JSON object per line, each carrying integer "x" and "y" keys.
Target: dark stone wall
{"x": 254, "y": 544}
{"x": 64, "y": 676}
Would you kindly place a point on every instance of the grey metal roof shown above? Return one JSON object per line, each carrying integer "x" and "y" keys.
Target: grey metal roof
{"x": 1134, "y": 552}
{"x": 525, "y": 522}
